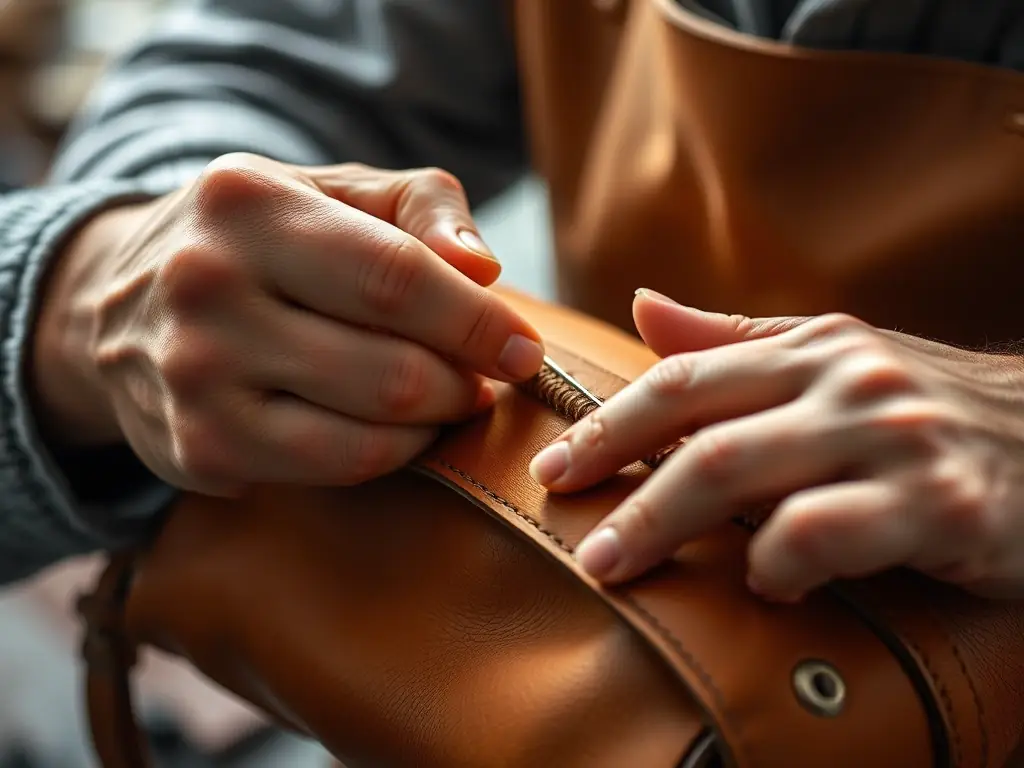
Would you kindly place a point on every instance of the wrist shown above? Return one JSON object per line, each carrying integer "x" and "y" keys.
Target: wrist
{"x": 72, "y": 408}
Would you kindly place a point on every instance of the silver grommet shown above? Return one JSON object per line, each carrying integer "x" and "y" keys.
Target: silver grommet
{"x": 819, "y": 688}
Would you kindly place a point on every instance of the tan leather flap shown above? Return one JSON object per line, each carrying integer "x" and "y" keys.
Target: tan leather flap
{"x": 735, "y": 653}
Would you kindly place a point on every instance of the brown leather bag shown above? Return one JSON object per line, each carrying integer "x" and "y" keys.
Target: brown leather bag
{"x": 738, "y": 174}
{"x": 436, "y": 617}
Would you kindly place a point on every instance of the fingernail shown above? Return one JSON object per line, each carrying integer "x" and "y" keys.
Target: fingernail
{"x": 647, "y": 293}
{"x": 472, "y": 240}
{"x": 599, "y": 553}
{"x": 551, "y": 463}
{"x": 521, "y": 357}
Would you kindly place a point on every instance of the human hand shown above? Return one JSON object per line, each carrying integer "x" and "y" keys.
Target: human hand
{"x": 885, "y": 450}
{"x": 280, "y": 324}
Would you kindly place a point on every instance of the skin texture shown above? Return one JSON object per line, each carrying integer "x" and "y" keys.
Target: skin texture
{"x": 874, "y": 450}
{"x": 277, "y": 324}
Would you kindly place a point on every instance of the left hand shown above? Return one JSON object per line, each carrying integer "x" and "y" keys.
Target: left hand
{"x": 885, "y": 450}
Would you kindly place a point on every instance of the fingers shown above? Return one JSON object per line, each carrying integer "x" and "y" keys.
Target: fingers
{"x": 282, "y": 439}
{"x": 308, "y": 445}
{"x": 363, "y": 374}
{"x": 428, "y": 203}
{"x": 670, "y": 328}
{"x": 837, "y": 531}
{"x": 720, "y": 471}
{"x": 362, "y": 271}
{"x": 674, "y": 398}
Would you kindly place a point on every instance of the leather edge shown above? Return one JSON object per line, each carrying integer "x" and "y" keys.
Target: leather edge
{"x": 641, "y": 621}
{"x": 913, "y": 666}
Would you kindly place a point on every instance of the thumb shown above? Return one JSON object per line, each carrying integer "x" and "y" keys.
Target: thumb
{"x": 669, "y": 328}
{"x": 427, "y": 203}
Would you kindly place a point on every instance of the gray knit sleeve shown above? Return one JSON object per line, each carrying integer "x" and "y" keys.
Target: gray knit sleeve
{"x": 105, "y": 499}
{"x": 390, "y": 83}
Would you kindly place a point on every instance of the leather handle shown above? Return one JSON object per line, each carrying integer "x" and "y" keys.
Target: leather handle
{"x": 109, "y": 657}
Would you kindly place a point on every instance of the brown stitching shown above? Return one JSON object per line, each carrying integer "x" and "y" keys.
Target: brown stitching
{"x": 978, "y": 706}
{"x": 507, "y": 504}
{"x": 660, "y": 628}
{"x": 562, "y": 395}
{"x": 947, "y": 700}
{"x": 564, "y": 399}
{"x": 694, "y": 665}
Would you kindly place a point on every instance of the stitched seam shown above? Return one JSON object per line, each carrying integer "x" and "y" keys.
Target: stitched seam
{"x": 978, "y": 706}
{"x": 507, "y": 504}
{"x": 695, "y": 665}
{"x": 975, "y": 696}
{"x": 943, "y": 690}
{"x": 660, "y": 628}
{"x": 947, "y": 700}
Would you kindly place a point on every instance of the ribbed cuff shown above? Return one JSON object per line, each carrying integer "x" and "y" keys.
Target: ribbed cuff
{"x": 42, "y": 517}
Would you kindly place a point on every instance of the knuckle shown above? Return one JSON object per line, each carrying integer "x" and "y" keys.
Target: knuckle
{"x": 641, "y": 518}
{"x": 355, "y": 168}
{"x": 919, "y": 423}
{"x": 591, "y": 434}
{"x": 835, "y": 324}
{"x": 485, "y": 319}
{"x": 962, "y": 501}
{"x": 188, "y": 364}
{"x": 740, "y": 326}
{"x": 195, "y": 277}
{"x": 438, "y": 177}
{"x": 365, "y": 455}
{"x": 871, "y": 372}
{"x": 714, "y": 454}
{"x": 231, "y": 182}
{"x": 234, "y": 161}
{"x": 388, "y": 282}
{"x": 312, "y": 449}
{"x": 200, "y": 450}
{"x": 403, "y": 382}
{"x": 802, "y": 534}
{"x": 671, "y": 377}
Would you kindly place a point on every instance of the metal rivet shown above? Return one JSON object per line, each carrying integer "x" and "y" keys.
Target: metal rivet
{"x": 1015, "y": 122}
{"x": 819, "y": 688}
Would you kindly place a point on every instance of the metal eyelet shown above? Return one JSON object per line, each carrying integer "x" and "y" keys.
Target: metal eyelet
{"x": 819, "y": 688}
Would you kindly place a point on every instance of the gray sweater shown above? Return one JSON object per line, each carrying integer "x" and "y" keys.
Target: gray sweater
{"x": 393, "y": 83}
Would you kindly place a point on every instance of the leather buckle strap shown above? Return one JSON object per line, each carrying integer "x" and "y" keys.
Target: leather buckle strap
{"x": 109, "y": 657}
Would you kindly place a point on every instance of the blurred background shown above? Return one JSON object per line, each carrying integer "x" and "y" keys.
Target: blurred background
{"x": 51, "y": 51}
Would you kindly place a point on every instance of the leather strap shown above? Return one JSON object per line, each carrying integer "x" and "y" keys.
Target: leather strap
{"x": 751, "y": 703}
{"x": 109, "y": 658}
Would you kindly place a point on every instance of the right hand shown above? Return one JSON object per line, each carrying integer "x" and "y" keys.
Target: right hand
{"x": 273, "y": 323}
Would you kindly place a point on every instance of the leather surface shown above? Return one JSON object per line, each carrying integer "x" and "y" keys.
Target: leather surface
{"x": 401, "y": 627}
{"x": 436, "y": 618}
{"x": 744, "y": 176}
{"x": 971, "y": 652}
